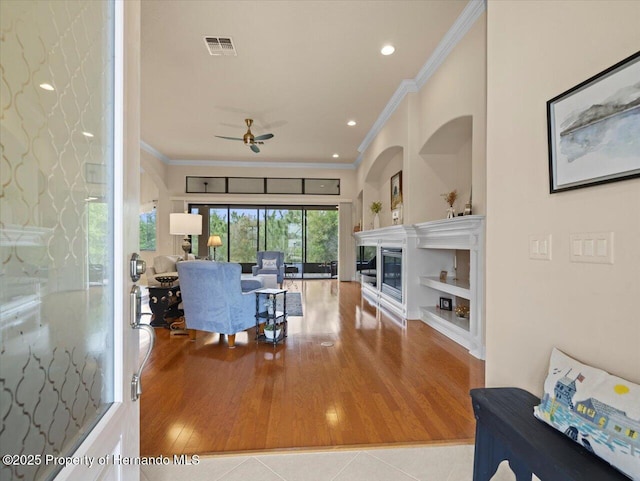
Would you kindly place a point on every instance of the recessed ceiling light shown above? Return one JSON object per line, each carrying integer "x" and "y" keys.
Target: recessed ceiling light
{"x": 351, "y": 123}
{"x": 335, "y": 156}
{"x": 387, "y": 50}
{"x": 46, "y": 87}
{"x": 87, "y": 134}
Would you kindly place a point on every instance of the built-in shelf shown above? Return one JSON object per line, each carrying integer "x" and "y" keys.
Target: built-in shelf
{"x": 455, "y": 287}
{"x": 446, "y": 316}
{"x": 438, "y": 243}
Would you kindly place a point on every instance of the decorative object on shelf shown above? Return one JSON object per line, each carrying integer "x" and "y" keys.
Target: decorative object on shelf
{"x": 214, "y": 241}
{"x": 443, "y": 276}
{"x": 186, "y": 225}
{"x": 446, "y": 304}
{"x": 271, "y": 309}
{"x": 468, "y": 206}
{"x": 592, "y": 129}
{"x": 357, "y": 228}
{"x": 376, "y": 207}
{"x": 270, "y": 331}
{"x": 397, "y": 212}
{"x": 462, "y": 312}
{"x": 396, "y": 190}
{"x": 166, "y": 281}
{"x": 450, "y": 198}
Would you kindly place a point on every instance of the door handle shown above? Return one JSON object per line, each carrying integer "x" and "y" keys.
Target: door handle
{"x": 135, "y": 302}
{"x": 137, "y": 267}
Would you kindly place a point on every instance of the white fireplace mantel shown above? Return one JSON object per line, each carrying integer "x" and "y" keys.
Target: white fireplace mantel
{"x": 428, "y": 250}
{"x": 394, "y": 234}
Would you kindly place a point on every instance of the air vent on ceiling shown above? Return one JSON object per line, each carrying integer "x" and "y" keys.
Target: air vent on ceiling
{"x": 220, "y": 46}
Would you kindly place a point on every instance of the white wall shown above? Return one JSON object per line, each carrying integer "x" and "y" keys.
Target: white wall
{"x": 171, "y": 183}
{"x": 456, "y": 89}
{"x": 537, "y": 50}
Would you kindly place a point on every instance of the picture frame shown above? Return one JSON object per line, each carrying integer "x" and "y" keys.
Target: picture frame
{"x": 593, "y": 129}
{"x": 446, "y": 304}
{"x": 443, "y": 276}
{"x": 396, "y": 189}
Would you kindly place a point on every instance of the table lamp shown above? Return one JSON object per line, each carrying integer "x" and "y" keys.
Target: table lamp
{"x": 214, "y": 241}
{"x": 186, "y": 225}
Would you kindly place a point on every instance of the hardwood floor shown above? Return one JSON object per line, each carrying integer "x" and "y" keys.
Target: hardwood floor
{"x": 377, "y": 384}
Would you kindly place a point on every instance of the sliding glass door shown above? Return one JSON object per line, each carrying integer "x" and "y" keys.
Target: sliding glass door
{"x": 283, "y": 229}
{"x": 321, "y": 235}
{"x": 243, "y": 236}
{"x": 219, "y": 225}
{"x": 308, "y": 236}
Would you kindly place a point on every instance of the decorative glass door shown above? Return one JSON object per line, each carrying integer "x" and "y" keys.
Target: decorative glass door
{"x": 59, "y": 290}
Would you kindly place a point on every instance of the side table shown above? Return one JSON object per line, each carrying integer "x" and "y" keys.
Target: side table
{"x": 275, "y": 321}
{"x": 164, "y": 303}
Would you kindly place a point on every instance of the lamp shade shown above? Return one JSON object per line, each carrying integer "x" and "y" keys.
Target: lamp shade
{"x": 214, "y": 241}
{"x": 185, "y": 224}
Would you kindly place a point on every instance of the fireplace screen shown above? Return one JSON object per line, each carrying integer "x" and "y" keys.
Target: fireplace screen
{"x": 392, "y": 272}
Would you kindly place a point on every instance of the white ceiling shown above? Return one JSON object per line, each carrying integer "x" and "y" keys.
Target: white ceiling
{"x": 303, "y": 69}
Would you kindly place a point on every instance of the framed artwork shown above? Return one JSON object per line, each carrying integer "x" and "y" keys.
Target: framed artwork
{"x": 446, "y": 304}
{"x": 594, "y": 129}
{"x": 396, "y": 190}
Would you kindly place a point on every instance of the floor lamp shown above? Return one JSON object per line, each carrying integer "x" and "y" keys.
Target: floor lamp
{"x": 186, "y": 225}
{"x": 214, "y": 241}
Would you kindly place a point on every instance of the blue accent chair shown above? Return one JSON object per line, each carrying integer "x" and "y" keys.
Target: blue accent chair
{"x": 213, "y": 300}
{"x": 259, "y": 268}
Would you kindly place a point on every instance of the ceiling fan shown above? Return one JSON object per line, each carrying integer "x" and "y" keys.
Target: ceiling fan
{"x": 249, "y": 139}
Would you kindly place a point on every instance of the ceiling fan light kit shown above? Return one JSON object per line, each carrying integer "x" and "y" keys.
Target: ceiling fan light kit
{"x": 250, "y": 139}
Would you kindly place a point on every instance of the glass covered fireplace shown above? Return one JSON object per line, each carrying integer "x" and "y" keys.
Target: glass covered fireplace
{"x": 392, "y": 272}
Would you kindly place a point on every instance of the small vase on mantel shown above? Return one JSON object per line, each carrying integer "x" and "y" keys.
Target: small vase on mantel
{"x": 376, "y": 221}
{"x": 451, "y": 212}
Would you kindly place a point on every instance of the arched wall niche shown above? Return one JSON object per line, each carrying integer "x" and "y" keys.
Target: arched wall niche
{"x": 377, "y": 185}
{"x": 446, "y": 140}
{"x": 446, "y": 166}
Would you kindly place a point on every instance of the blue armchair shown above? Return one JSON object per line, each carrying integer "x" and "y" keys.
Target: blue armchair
{"x": 269, "y": 256}
{"x": 213, "y": 300}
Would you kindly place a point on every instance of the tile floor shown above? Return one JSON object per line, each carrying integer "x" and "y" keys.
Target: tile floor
{"x": 430, "y": 463}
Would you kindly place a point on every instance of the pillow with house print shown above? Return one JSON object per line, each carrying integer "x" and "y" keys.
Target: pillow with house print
{"x": 595, "y": 409}
{"x": 270, "y": 264}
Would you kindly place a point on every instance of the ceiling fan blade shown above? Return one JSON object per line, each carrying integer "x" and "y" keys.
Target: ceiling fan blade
{"x": 255, "y": 148}
{"x": 264, "y": 137}
{"x": 229, "y": 138}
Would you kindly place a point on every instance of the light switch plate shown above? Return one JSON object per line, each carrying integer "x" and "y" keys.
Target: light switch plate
{"x": 592, "y": 247}
{"x": 540, "y": 247}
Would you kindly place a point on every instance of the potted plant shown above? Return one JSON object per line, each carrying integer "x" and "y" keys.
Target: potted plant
{"x": 376, "y": 207}
{"x": 270, "y": 329}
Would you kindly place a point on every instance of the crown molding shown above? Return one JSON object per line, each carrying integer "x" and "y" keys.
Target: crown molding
{"x": 405, "y": 87}
{"x": 458, "y": 30}
{"x": 251, "y": 164}
{"x": 238, "y": 163}
{"x": 156, "y": 153}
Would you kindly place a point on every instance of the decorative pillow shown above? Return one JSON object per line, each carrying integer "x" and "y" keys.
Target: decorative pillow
{"x": 270, "y": 264}
{"x": 162, "y": 264}
{"x": 595, "y": 409}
